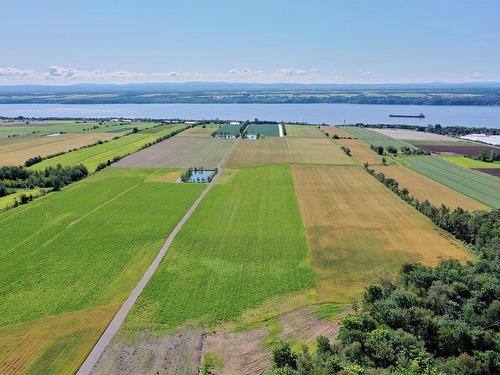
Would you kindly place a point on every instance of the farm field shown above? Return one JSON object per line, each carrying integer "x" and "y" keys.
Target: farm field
{"x": 270, "y": 130}
{"x": 303, "y": 131}
{"x": 199, "y": 132}
{"x": 358, "y": 230}
{"x": 20, "y": 129}
{"x": 182, "y": 152}
{"x": 372, "y": 137}
{"x": 228, "y": 129}
{"x": 360, "y": 151}
{"x": 470, "y": 163}
{"x": 491, "y": 171}
{"x": 287, "y": 151}
{"x": 411, "y": 135}
{"x": 243, "y": 245}
{"x": 335, "y": 130}
{"x": 17, "y": 150}
{"x": 478, "y": 186}
{"x": 101, "y": 244}
{"x": 459, "y": 149}
{"x": 8, "y": 200}
{"x": 92, "y": 156}
{"x": 423, "y": 188}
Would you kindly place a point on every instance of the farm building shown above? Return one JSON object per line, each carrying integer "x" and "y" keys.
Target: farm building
{"x": 252, "y": 137}
{"x": 227, "y": 131}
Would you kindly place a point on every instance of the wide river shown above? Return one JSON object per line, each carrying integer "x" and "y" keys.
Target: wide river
{"x": 312, "y": 113}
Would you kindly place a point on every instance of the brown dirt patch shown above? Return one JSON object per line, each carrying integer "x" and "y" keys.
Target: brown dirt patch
{"x": 339, "y": 132}
{"x": 491, "y": 171}
{"x": 460, "y": 150}
{"x": 178, "y": 353}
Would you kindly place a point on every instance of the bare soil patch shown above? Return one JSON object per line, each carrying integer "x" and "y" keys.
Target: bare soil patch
{"x": 460, "y": 150}
{"x": 180, "y": 152}
{"x": 491, "y": 171}
{"x": 414, "y": 135}
{"x": 178, "y": 353}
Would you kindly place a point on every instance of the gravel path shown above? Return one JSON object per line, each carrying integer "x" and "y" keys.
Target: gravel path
{"x": 118, "y": 319}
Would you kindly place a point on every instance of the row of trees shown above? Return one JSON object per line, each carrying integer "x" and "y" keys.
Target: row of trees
{"x": 489, "y": 157}
{"x": 405, "y": 150}
{"x": 17, "y": 177}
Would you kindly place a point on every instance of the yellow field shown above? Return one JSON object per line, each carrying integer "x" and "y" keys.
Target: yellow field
{"x": 331, "y": 130}
{"x": 360, "y": 151}
{"x": 358, "y": 230}
{"x": 423, "y": 188}
{"x": 287, "y": 151}
{"x": 16, "y": 151}
{"x": 76, "y": 331}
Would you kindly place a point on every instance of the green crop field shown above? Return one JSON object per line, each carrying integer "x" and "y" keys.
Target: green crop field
{"x": 373, "y": 138}
{"x": 229, "y": 129}
{"x": 74, "y": 255}
{"x": 270, "y": 130}
{"x": 20, "y": 129}
{"x": 478, "y": 186}
{"x": 303, "y": 131}
{"x": 92, "y": 156}
{"x": 243, "y": 245}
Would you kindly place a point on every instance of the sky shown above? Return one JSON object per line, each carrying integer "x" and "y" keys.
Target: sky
{"x": 313, "y": 41}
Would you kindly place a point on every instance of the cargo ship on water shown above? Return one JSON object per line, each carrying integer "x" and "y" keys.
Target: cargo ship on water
{"x": 420, "y": 115}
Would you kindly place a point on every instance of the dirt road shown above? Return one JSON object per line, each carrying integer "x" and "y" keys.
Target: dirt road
{"x": 118, "y": 319}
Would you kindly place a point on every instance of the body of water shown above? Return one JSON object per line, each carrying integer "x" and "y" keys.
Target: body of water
{"x": 312, "y": 113}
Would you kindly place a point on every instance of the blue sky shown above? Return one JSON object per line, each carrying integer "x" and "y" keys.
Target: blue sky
{"x": 347, "y": 41}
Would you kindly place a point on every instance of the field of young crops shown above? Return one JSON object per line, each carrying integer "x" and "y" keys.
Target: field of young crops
{"x": 91, "y": 157}
{"x": 303, "y": 131}
{"x": 373, "y": 138}
{"x": 478, "y": 186}
{"x": 470, "y": 163}
{"x": 270, "y": 130}
{"x": 243, "y": 245}
{"x": 75, "y": 255}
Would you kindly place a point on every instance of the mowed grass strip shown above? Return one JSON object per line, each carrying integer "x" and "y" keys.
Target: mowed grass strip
{"x": 374, "y": 138}
{"x": 478, "y": 186}
{"x": 243, "y": 245}
{"x": 287, "y": 151}
{"x": 303, "y": 131}
{"x": 423, "y": 188}
{"x": 358, "y": 230}
{"x": 91, "y": 157}
{"x": 16, "y": 151}
{"x": 81, "y": 248}
{"x": 179, "y": 152}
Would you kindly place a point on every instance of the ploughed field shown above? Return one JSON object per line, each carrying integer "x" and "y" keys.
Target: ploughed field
{"x": 70, "y": 259}
{"x": 372, "y": 137}
{"x": 466, "y": 150}
{"x": 182, "y": 152}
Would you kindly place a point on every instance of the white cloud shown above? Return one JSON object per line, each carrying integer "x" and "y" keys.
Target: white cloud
{"x": 475, "y": 75}
{"x": 367, "y": 73}
{"x": 292, "y": 72}
{"x": 10, "y": 73}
